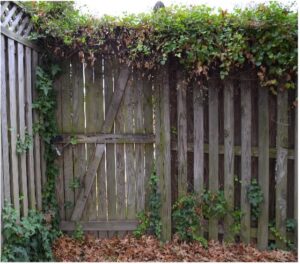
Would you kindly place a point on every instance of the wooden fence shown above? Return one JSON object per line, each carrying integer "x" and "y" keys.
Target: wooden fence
{"x": 214, "y": 135}
{"x": 22, "y": 174}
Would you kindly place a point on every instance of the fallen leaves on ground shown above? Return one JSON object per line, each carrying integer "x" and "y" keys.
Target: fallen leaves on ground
{"x": 148, "y": 248}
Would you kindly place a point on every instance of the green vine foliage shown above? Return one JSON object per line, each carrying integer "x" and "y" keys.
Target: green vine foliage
{"x": 23, "y": 145}
{"x": 150, "y": 220}
{"x": 255, "y": 197}
{"x": 27, "y": 240}
{"x": 204, "y": 41}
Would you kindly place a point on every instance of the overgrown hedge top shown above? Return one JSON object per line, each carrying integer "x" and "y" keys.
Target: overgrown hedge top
{"x": 202, "y": 39}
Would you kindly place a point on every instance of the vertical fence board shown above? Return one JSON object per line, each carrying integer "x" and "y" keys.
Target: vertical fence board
{"x": 21, "y": 107}
{"x": 30, "y": 158}
{"x": 13, "y": 124}
{"x": 296, "y": 176}
{"x": 213, "y": 150}
{"x": 148, "y": 124}
{"x": 163, "y": 146}
{"x": 4, "y": 123}
{"x": 68, "y": 152}
{"x": 263, "y": 165}
{"x": 245, "y": 156}
{"x": 281, "y": 165}
{"x": 110, "y": 149}
{"x": 228, "y": 153}
{"x": 182, "y": 135}
{"x": 129, "y": 149}
{"x": 139, "y": 148}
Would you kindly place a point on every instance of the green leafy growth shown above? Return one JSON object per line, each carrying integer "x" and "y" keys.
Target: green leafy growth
{"x": 275, "y": 232}
{"x": 214, "y": 205}
{"x": 150, "y": 221}
{"x": 74, "y": 183}
{"x": 78, "y": 233}
{"x": 24, "y": 145}
{"x": 186, "y": 216}
{"x": 255, "y": 197}
{"x": 27, "y": 240}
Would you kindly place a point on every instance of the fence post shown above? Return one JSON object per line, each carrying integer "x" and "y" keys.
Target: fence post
{"x": 163, "y": 150}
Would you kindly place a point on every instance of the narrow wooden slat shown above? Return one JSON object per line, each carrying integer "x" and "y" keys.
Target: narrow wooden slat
{"x": 30, "y": 159}
{"x": 3, "y": 7}
{"x": 228, "y": 154}
{"x": 13, "y": 125}
{"x": 37, "y": 152}
{"x": 139, "y": 148}
{"x": 21, "y": 106}
{"x": 263, "y": 165}
{"x": 16, "y": 21}
{"x": 107, "y": 126}
{"x": 23, "y": 25}
{"x": 28, "y": 30}
{"x": 9, "y": 16}
{"x": 4, "y": 123}
{"x": 281, "y": 165}
{"x": 245, "y": 156}
{"x": 163, "y": 146}
{"x": 129, "y": 149}
{"x": 113, "y": 225}
{"x": 213, "y": 149}
{"x": 67, "y": 107}
{"x": 198, "y": 140}
{"x": 148, "y": 124}
{"x": 296, "y": 176}
{"x": 182, "y": 134}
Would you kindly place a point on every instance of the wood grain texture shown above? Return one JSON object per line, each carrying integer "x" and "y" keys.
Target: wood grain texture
{"x": 213, "y": 149}
{"x": 13, "y": 124}
{"x": 22, "y": 127}
{"x": 4, "y": 122}
{"x": 228, "y": 154}
{"x": 296, "y": 176}
{"x": 245, "y": 157}
{"x": 263, "y": 165}
{"x": 182, "y": 134}
{"x": 281, "y": 165}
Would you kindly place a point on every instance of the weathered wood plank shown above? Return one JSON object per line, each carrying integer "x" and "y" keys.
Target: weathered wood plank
{"x": 296, "y": 176}
{"x": 4, "y": 123}
{"x": 30, "y": 158}
{"x": 245, "y": 156}
{"x": 106, "y": 128}
{"x": 228, "y": 154}
{"x": 148, "y": 125}
{"x": 21, "y": 106}
{"x": 213, "y": 149}
{"x": 112, "y": 225}
{"x": 163, "y": 146}
{"x": 13, "y": 125}
{"x": 281, "y": 165}
{"x": 198, "y": 140}
{"x": 182, "y": 134}
{"x": 129, "y": 149}
{"x": 263, "y": 165}
{"x": 139, "y": 148}
{"x": 9, "y": 16}
{"x": 3, "y": 7}
{"x": 16, "y": 21}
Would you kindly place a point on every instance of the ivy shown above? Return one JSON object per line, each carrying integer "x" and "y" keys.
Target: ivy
{"x": 203, "y": 40}
{"x": 23, "y": 145}
{"x": 255, "y": 197}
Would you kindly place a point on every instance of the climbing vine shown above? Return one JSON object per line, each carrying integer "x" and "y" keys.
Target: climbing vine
{"x": 204, "y": 41}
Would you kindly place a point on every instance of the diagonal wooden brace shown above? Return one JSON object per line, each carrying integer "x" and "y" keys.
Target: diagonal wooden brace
{"x": 90, "y": 174}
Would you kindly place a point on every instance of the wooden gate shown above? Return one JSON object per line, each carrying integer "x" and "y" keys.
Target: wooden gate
{"x": 105, "y": 118}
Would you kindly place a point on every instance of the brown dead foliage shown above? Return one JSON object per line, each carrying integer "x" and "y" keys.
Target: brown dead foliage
{"x": 148, "y": 248}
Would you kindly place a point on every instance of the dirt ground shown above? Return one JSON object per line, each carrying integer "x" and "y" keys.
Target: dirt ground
{"x": 148, "y": 248}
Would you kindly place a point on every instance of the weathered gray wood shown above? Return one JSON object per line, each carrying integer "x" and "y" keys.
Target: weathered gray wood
{"x": 17, "y": 38}
{"x": 124, "y": 138}
{"x": 163, "y": 146}
{"x": 9, "y": 16}
{"x": 30, "y": 160}
{"x": 23, "y": 25}
{"x": 245, "y": 157}
{"x": 37, "y": 152}
{"x": 21, "y": 108}
{"x": 281, "y": 165}
{"x": 182, "y": 134}
{"x": 129, "y": 149}
{"x": 148, "y": 125}
{"x": 263, "y": 165}
{"x": 139, "y": 148}
{"x": 296, "y": 176}
{"x": 4, "y": 123}
{"x": 16, "y": 21}
{"x": 213, "y": 149}
{"x": 198, "y": 140}
{"x": 13, "y": 125}
{"x": 112, "y": 225}
{"x": 228, "y": 154}
{"x": 107, "y": 126}
{"x": 3, "y": 7}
